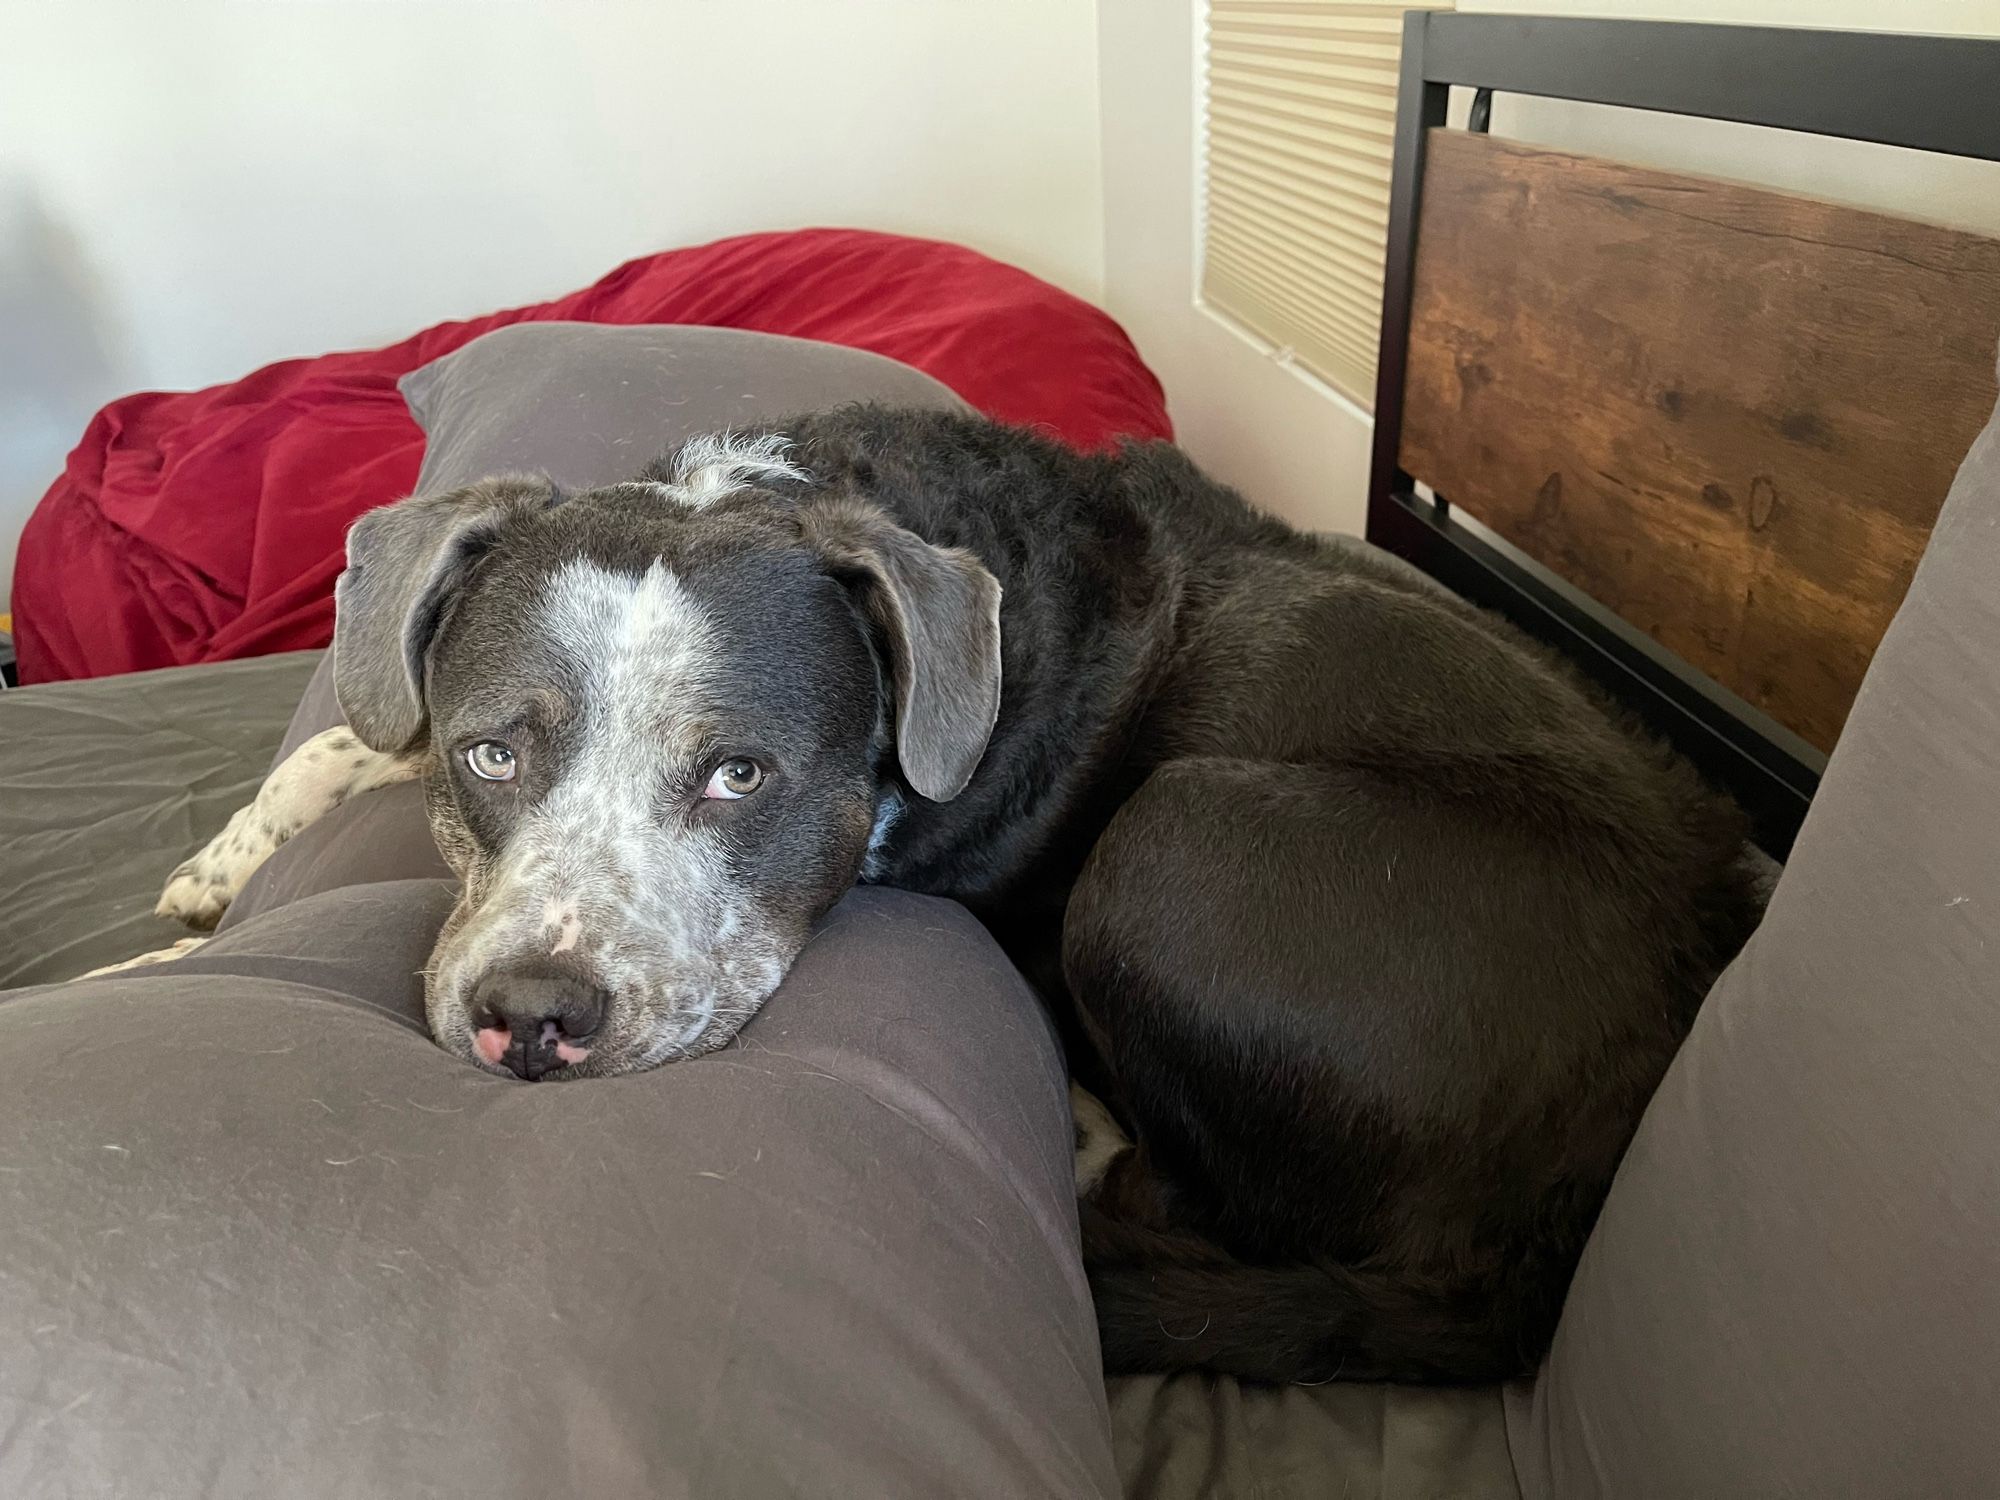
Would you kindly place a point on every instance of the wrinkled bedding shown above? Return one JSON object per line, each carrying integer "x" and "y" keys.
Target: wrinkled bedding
{"x": 106, "y": 786}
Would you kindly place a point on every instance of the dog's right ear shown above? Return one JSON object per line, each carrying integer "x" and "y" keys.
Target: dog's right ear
{"x": 405, "y": 565}
{"x": 938, "y": 611}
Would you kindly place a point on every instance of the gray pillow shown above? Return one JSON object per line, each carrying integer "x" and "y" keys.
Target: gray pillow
{"x": 260, "y": 1237}
{"x": 589, "y": 404}
{"x": 1795, "y": 1285}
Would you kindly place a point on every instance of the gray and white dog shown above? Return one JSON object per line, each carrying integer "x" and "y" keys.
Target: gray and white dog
{"x": 1371, "y": 924}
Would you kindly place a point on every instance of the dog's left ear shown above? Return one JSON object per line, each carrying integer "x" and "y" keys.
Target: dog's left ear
{"x": 939, "y": 611}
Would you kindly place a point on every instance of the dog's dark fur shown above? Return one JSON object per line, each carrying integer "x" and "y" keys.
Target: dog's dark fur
{"x": 1381, "y": 927}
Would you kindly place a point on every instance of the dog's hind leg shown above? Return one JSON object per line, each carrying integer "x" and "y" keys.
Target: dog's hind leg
{"x": 1099, "y": 1141}
{"x": 1380, "y": 1046}
{"x": 311, "y": 782}
{"x": 145, "y": 960}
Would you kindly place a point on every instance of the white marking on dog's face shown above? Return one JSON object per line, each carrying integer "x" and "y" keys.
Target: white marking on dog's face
{"x": 609, "y": 856}
{"x": 561, "y": 915}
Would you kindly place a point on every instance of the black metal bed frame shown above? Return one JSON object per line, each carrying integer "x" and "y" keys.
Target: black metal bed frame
{"x": 1930, "y": 93}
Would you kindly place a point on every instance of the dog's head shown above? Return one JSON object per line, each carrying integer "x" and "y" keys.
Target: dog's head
{"x": 667, "y": 723}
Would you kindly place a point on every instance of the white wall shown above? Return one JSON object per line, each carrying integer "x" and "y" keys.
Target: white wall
{"x": 189, "y": 189}
{"x": 1287, "y": 441}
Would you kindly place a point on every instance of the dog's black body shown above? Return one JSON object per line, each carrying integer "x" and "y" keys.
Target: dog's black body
{"x": 1373, "y": 925}
{"x": 1381, "y": 927}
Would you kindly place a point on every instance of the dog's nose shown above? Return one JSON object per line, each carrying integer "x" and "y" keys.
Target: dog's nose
{"x": 535, "y": 1017}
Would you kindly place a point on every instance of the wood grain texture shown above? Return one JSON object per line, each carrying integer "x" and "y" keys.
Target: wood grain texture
{"x": 1728, "y": 414}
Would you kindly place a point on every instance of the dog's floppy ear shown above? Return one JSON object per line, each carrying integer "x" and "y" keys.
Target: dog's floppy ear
{"x": 405, "y": 564}
{"x": 939, "y": 611}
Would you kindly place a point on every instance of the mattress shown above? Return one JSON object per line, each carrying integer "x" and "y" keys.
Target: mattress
{"x": 106, "y": 785}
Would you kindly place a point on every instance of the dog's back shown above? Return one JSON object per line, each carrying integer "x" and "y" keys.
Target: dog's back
{"x": 1383, "y": 925}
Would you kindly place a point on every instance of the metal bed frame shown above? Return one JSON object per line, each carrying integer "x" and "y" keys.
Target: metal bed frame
{"x": 1929, "y": 93}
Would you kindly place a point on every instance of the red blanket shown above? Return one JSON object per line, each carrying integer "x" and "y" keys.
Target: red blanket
{"x": 205, "y": 525}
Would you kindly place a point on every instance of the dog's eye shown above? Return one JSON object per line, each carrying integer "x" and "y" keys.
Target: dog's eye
{"x": 491, "y": 761}
{"x": 733, "y": 779}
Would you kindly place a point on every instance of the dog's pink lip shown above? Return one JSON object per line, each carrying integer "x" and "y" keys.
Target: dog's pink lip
{"x": 491, "y": 1043}
{"x": 570, "y": 1054}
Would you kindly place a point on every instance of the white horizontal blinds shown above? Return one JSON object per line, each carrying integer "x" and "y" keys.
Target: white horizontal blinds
{"x": 1301, "y": 133}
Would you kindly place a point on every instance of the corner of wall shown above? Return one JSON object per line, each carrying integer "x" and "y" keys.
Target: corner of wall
{"x": 1292, "y": 447}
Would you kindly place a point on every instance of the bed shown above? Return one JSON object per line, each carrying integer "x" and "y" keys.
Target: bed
{"x": 1679, "y": 586}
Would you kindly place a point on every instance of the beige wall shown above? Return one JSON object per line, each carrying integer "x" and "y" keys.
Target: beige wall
{"x": 189, "y": 189}
{"x": 1286, "y": 440}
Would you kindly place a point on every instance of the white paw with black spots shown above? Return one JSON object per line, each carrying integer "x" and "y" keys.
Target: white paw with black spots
{"x": 311, "y": 782}
{"x": 200, "y": 889}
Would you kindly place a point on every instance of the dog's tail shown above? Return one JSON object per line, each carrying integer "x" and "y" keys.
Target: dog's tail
{"x": 1172, "y": 1302}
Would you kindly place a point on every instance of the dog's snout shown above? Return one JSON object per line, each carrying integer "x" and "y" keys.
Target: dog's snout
{"x": 535, "y": 1017}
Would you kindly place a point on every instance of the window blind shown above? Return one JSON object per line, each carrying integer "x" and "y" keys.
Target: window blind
{"x": 1299, "y": 142}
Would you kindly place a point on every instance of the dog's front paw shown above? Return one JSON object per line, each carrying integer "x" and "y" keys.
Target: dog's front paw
{"x": 200, "y": 889}
{"x": 158, "y": 956}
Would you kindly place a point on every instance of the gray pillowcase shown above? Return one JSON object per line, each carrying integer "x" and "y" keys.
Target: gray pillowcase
{"x": 260, "y": 1237}
{"x": 587, "y": 404}
{"x": 1795, "y": 1285}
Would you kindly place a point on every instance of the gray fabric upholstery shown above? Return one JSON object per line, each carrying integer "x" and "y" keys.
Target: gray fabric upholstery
{"x": 589, "y": 404}
{"x": 1185, "y": 1436}
{"x": 261, "y": 1237}
{"x": 106, "y": 785}
{"x": 1795, "y": 1285}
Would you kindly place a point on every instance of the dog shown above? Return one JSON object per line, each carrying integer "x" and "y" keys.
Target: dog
{"x": 1372, "y": 927}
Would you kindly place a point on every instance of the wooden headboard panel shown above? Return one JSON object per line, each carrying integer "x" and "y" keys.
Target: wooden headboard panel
{"x": 1727, "y": 414}
{"x": 1691, "y": 434}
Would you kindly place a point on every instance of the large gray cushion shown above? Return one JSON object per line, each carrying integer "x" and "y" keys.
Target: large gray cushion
{"x": 106, "y": 785}
{"x": 260, "y": 1237}
{"x": 1795, "y": 1285}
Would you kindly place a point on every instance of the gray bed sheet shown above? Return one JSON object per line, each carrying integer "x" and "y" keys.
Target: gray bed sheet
{"x": 106, "y": 785}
